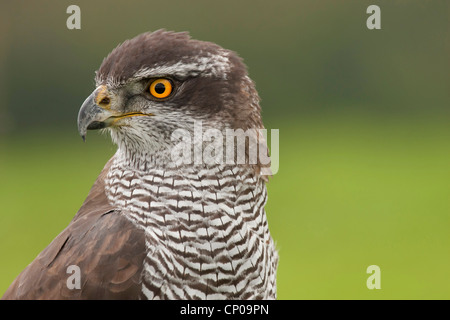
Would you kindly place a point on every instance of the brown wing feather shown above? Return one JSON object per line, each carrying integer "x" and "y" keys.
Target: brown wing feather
{"x": 105, "y": 245}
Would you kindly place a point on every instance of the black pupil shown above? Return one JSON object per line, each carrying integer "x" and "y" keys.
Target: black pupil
{"x": 160, "y": 88}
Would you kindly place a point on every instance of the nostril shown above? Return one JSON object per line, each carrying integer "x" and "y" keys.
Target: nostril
{"x": 105, "y": 100}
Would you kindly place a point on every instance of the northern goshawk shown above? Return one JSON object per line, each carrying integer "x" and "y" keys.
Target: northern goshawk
{"x": 155, "y": 226}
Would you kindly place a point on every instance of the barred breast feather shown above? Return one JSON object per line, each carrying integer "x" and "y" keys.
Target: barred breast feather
{"x": 206, "y": 232}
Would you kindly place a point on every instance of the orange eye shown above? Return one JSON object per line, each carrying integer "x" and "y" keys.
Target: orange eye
{"x": 161, "y": 88}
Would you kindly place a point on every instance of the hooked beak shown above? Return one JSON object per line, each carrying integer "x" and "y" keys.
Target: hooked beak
{"x": 93, "y": 115}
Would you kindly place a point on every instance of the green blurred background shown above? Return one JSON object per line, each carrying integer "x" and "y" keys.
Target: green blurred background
{"x": 363, "y": 115}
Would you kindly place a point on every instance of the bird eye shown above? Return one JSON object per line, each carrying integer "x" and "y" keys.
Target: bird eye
{"x": 161, "y": 88}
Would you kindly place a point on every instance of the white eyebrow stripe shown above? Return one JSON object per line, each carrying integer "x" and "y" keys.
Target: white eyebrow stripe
{"x": 217, "y": 65}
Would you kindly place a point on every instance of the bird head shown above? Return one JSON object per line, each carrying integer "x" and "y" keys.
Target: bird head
{"x": 158, "y": 82}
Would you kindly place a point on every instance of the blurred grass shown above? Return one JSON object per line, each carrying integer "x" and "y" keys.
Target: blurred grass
{"x": 350, "y": 192}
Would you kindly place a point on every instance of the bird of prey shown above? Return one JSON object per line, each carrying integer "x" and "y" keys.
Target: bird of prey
{"x": 151, "y": 227}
